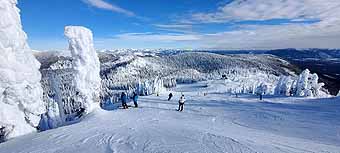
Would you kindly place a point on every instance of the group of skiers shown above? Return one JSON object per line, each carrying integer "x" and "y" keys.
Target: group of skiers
{"x": 124, "y": 99}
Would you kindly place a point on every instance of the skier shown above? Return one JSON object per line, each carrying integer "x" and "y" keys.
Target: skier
{"x": 181, "y": 103}
{"x": 170, "y": 96}
{"x": 135, "y": 99}
{"x": 124, "y": 100}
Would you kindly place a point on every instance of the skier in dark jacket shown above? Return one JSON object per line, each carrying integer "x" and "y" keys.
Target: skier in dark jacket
{"x": 170, "y": 96}
{"x": 135, "y": 99}
{"x": 124, "y": 100}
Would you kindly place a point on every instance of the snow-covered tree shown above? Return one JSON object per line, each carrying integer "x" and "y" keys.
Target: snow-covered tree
{"x": 158, "y": 85}
{"x": 338, "y": 93}
{"x": 307, "y": 84}
{"x": 20, "y": 90}
{"x": 86, "y": 65}
{"x": 262, "y": 89}
{"x": 284, "y": 86}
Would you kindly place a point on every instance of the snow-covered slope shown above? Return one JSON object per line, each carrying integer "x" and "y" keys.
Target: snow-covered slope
{"x": 20, "y": 90}
{"x": 152, "y": 73}
{"x": 217, "y": 122}
{"x": 127, "y": 71}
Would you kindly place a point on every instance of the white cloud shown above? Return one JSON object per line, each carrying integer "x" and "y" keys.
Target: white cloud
{"x": 181, "y": 28}
{"x": 322, "y": 34}
{"x": 152, "y": 37}
{"x": 184, "y": 26}
{"x": 107, "y": 6}
{"x": 240, "y": 10}
{"x": 251, "y": 37}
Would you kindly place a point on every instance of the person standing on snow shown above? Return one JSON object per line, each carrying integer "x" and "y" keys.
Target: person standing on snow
{"x": 181, "y": 103}
{"x": 124, "y": 100}
{"x": 135, "y": 99}
{"x": 170, "y": 96}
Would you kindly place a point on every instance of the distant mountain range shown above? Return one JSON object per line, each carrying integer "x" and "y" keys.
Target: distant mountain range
{"x": 305, "y": 54}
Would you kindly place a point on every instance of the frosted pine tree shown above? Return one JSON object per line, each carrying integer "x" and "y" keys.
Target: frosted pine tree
{"x": 284, "y": 86}
{"x": 262, "y": 89}
{"x": 307, "y": 85}
{"x": 302, "y": 83}
{"x": 86, "y": 65}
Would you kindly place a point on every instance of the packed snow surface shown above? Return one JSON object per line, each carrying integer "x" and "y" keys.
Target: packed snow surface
{"x": 20, "y": 90}
{"x": 217, "y": 122}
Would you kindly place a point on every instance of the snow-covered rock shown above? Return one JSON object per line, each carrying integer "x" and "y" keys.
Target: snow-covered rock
{"x": 86, "y": 65}
{"x": 20, "y": 90}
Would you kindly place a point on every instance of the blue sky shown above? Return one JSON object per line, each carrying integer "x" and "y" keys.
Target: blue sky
{"x": 190, "y": 24}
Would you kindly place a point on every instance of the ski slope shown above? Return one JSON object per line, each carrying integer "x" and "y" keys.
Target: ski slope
{"x": 217, "y": 122}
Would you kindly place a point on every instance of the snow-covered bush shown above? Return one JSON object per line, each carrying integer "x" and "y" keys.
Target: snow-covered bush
{"x": 20, "y": 90}
{"x": 86, "y": 64}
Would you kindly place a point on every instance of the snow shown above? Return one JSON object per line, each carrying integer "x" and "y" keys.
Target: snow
{"x": 20, "y": 90}
{"x": 130, "y": 72}
{"x": 86, "y": 65}
{"x": 305, "y": 85}
{"x": 71, "y": 81}
{"x": 217, "y": 122}
{"x": 284, "y": 86}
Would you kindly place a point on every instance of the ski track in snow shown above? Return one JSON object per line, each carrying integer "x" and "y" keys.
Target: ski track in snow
{"x": 216, "y": 123}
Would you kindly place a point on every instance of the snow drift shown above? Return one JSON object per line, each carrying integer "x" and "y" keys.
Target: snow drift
{"x": 20, "y": 90}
